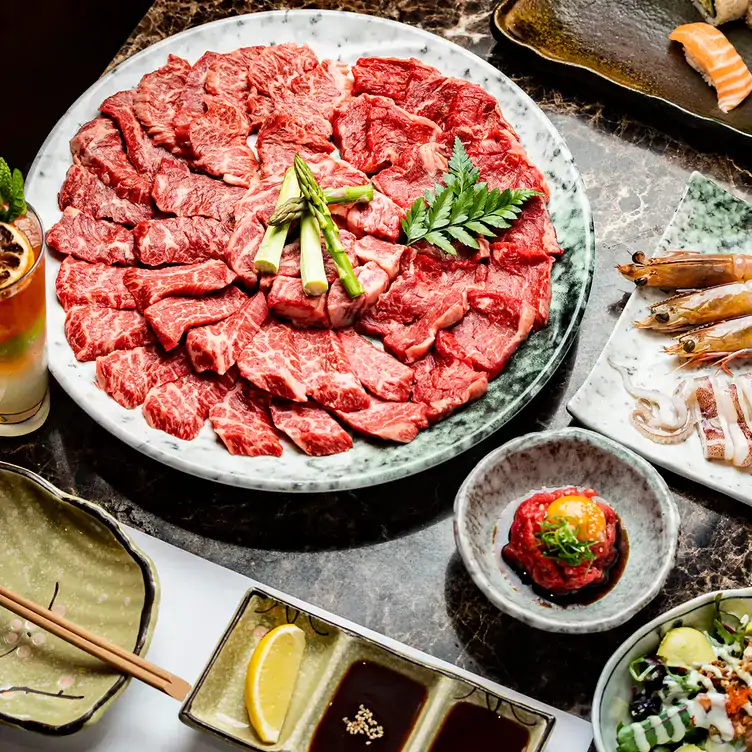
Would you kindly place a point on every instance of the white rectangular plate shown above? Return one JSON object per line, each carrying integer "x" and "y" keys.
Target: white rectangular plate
{"x": 708, "y": 219}
{"x": 198, "y": 600}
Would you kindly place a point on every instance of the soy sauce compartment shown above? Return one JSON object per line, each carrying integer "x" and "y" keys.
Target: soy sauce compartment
{"x": 341, "y": 670}
{"x": 389, "y": 692}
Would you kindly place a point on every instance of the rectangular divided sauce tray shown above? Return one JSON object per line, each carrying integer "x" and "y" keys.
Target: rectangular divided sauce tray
{"x": 410, "y": 698}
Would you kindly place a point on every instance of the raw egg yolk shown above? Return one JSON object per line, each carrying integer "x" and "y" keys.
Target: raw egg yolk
{"x": 583, "y": 512}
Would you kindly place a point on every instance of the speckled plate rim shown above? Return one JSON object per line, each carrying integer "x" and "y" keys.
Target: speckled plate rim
{"x": 357, "y": 477}
{"x": 672, "y": 615}
{"x": 498, "y": 27}
{"x": 361, "y": 633}
{"x": 538, "y": 620}
{"x": 149, "y": 612}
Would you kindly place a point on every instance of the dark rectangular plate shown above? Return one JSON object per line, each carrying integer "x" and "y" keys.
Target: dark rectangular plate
{"x": 627, "y": 43}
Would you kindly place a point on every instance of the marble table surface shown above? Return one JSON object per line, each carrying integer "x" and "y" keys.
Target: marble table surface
{"x": 385, "y": 556}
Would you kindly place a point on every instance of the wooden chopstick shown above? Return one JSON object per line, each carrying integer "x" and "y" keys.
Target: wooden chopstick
{"x": 125, "y": 662}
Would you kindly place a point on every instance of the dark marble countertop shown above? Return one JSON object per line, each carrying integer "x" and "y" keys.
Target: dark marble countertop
{"x": 385, "y": 556}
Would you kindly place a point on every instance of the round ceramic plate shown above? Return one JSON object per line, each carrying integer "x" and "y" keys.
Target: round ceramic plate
{"x": 345, "y": 36}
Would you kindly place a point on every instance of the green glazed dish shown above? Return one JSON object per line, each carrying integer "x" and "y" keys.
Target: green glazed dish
{"x": 68, "y": 555}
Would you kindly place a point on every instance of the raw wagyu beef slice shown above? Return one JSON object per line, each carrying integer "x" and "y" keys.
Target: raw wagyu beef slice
{"x": 242, "y": 421}
{"x": 181, "y": 407}
{"x": 143, "y": 154}
{"x": 509, "y": 169}
{"x": 85, "y": 191}
{"x": 127, "y": 375}
{"x": 191, "y": 102}
{"x": 98, "y": 147}
{"x": 393, "y": 421}
{"x": 342, "y": 310}
{"x": 284, "y": 134}
{"x": 171, "y": 317}
{"x": 157, "y": 99}
{"x": 218, "y": 141}
{"x": 287, "y": 300}
{"x": 380, "y": 217}
{"x": 389, "y": 76}
{"x": 386, "y": 255}
{"x": 371, "y": 132}
{"x": 179, "y": 191}
{"x": 242, "y": 247}
{"x": 379, "y": 372}
{"x": 79, "y": 234}
{"x": 444, "y": 384}
{"x": 524, "y": 274}
{"x": 533, "y": 229}
{"x": 327, "y": 375}
{"x": 81, "y": 283}
{"x": 274, "y": 67}
{"x": 179, "y": 240}
{"x": 416, "y": 170}
{"x": 271, "y": 362}
{"x": 414, "y": 340}
{"x": 227, "y": 76}
{"x": 148, "y": 286}
{"x": 487, "y": 337}
{"x": 216, "y": 347}
{"x": 311, "y": 428}
{"x": 92, "y": 331}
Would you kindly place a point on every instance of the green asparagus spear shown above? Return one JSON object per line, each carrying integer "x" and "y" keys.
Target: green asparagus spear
{"x": 676, "y": 718}
{"x": 294, "y": 208}
{"x": 318, "y": 207}
{"x": 312, "y": 272}
{"x": 270, "y": 251}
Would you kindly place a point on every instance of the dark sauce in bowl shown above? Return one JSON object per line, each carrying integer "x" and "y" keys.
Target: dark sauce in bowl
{"x": 381, "y": 706}
{"x": 588, "y": 594}
{"x": 473, "y": 727}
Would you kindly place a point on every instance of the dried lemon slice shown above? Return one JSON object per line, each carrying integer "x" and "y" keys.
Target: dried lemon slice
{"x": 16, "y": 255}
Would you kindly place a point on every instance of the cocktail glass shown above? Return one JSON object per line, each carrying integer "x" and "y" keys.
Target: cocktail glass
{"x": 24, "y": 396}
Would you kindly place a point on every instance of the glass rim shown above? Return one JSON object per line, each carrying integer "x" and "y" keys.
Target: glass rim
{"x": 37, "y": 260}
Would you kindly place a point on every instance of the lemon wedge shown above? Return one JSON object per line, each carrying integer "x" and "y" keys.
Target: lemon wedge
{"x": 16, "y": 255}
{"x": 270, "y": 681}
{"x": 684, "y": 646}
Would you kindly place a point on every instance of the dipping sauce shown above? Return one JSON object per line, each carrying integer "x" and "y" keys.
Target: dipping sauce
{"x": 568, "y": 543}
{"x": 374, "y": 708}
{"x": 473, "y": 727}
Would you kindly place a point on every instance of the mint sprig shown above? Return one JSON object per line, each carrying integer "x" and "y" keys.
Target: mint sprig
{"x": 461, "y": 206}
{"x": 12, "y": 203}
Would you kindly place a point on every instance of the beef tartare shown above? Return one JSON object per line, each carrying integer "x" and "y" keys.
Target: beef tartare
{"x": 563, "y": 540}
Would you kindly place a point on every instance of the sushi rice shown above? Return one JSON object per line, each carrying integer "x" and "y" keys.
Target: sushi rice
{"x": 717, "y": 12}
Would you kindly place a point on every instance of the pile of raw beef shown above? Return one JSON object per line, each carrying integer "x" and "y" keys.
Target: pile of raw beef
{"x": 164, "y": 208}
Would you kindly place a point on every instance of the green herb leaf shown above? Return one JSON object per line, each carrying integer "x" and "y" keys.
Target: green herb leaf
{"x": 560, "y": 540}
{"x": 12, "y": 203}
{"x": 17, "y": 203}
{"x": 6, "y": 182}
{"x": 440, "y": 241}
{"x": 461, "y": 206}
{"x": 461, "y": 234}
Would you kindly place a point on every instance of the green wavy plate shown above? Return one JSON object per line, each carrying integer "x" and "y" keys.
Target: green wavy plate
{"x": 66, "y": 554}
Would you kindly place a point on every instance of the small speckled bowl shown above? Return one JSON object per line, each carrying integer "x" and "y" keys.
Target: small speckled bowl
{"x": 71, "y": 556}
{"x": 615, "y": 686}
{"x": 552, "y": 459}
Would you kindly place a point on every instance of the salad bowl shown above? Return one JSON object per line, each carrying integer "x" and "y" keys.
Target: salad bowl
{"x": 616, "y": 686}
{"x": 488, "y": 499}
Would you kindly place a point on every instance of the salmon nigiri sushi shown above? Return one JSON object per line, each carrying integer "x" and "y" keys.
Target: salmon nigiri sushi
{"x": 711, "y": 54}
